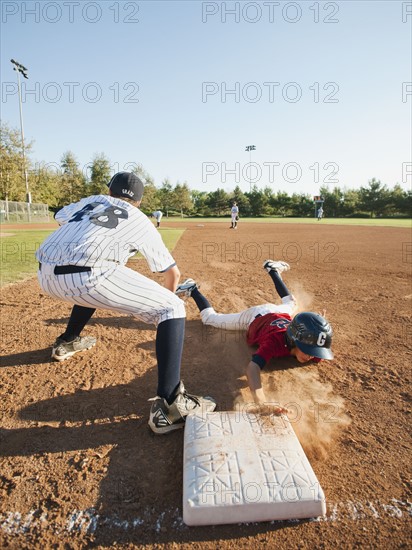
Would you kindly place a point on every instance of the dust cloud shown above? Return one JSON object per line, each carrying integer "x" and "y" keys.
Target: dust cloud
{"x": 304, "y": 299}
{"x": 316, "y": 413}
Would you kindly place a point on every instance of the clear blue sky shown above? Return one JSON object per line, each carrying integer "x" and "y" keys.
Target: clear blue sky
{"x": 338, "y": 105}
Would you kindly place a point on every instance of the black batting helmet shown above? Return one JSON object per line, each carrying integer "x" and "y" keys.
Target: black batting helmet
{"x": 312, "y": 334}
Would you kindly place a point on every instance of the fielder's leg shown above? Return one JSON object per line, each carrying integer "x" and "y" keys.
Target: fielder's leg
{"x": 79, "y": 318}
{"x": 70, "y": 342}
{"x": 169, "y": 347}
{"x": 172, "y": 403}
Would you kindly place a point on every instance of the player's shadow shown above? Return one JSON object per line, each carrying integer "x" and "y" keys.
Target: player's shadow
{"x": 40, "y": 356}
{"x": 140, "y": 496}
{"x": 25, "y": 358}
{"x": 119, "y": 322}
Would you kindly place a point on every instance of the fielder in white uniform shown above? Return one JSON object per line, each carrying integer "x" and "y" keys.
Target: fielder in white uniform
{"x": 84, "y": 263}
{"x": 158, "y": 216}
{"x": 235, "y": 215}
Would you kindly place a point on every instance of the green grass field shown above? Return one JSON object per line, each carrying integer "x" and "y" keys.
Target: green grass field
{"x": 17, "y": 251}
{"x": 328, "y": 221}
{"x": 17, "y": 255}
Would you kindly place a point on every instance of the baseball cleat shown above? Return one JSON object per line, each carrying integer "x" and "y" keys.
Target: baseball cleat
{"x": 166, "y": 418}
{"x": 63, "y": 350}
{"x": 273, "y": 265}
{"x": 186, "y": 288}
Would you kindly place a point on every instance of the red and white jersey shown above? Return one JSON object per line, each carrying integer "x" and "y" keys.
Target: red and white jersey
{"x": 268, "y": 332}
{"x": 99, "y": 231}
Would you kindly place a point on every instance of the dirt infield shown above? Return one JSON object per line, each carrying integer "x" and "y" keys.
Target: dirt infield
{"x": 79, "y": 466}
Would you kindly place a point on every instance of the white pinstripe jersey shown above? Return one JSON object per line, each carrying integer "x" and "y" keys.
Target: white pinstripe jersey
{"x": 100, "y": 230}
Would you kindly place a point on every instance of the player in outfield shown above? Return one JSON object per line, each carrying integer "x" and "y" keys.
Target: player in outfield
{"x": 234, "y": 213}
{"x": 84, "y": 263}
{"x": 157, "y": 215}
{"x": 273, "y": 329}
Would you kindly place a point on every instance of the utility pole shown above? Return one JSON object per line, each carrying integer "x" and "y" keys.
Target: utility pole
{"x": 250, "y": 148}
{"x": 21, "y": 69}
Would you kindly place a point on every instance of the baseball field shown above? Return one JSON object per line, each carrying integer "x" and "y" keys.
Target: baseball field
{"x": 79, "y": 466}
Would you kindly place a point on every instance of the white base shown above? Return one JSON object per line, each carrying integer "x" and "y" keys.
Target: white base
{"x": 241, "y": 467}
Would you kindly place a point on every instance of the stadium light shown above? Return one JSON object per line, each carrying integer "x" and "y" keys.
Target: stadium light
{"x": 21, "y": 69}
{"x": 250, "y": 148}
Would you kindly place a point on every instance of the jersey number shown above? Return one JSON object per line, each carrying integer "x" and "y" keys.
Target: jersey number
{"x": 109, "y": 218}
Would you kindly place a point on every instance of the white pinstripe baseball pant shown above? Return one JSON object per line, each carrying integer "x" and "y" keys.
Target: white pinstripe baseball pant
{"x": 117, "y": 288}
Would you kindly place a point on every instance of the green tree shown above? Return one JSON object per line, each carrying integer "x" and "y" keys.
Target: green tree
{"x": 281, "y": 204}
{"x": 374, "y": 199}
{"x": 351, "y": 202}
{"x": 217, "y": 201}
{"x": 302, "y": 205}
{"x": 166, "y": 196}
{"x": 73, "y": 182}
{"x": 46, "y": 184}
{"x": 182, "y": 199}
{"x": 151, "y": 201}
{"x": 268, "y": 196}
{"x": 199, "y": 199}
{"x": 405, "y": 206}
{"x": 400, "y": 201}
{"x": 100, "y": 175}
{"x": 12, "y": 169}
{"x": 258, "y": 201}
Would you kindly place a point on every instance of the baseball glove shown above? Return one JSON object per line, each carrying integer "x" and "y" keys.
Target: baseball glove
{"x": 237, "y": 218}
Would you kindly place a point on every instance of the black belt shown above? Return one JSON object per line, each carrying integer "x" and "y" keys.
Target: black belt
{"x": 66, "y": 269}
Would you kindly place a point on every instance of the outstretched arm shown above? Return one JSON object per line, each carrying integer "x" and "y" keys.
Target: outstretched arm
{"x": 255, "y": 383}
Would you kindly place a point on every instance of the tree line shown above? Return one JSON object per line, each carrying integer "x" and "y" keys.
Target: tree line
{"x": 57, "y": 184}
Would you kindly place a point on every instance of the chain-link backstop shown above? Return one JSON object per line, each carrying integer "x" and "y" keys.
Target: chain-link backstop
{"x": 23, "y": 212}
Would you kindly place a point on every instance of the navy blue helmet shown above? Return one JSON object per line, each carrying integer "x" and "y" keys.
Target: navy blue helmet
{"x": 312, "y": 334}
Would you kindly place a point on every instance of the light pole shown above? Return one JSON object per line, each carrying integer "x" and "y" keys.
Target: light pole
{"x": 250, "y": 148}
{"x": 20, "y": 69}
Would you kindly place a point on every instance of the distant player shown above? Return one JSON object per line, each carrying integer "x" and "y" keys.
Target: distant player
{"x": 320, "y": 213}
{"x": 158, "y": 216}
{"x": 234, "y": 215}
{"x": 272, "y": 328}
{"x": 84, "y": 263}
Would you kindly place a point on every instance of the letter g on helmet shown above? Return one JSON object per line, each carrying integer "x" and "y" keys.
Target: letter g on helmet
{"x": 312, "y": 334}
